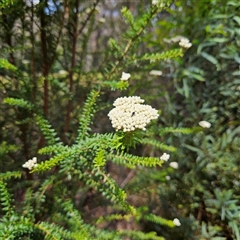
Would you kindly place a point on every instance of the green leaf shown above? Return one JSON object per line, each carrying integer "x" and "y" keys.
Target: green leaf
{"x": 237, "y": 19}
{"x": 210, "y": 58}
{"x": 194, "y": 75}
{"x": 6, "y": 65}
{"x": 185, "y": 88}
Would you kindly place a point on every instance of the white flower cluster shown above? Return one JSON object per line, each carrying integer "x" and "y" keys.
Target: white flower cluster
{"x": 165, "y": 157}
{"x": 125, "y": 76}
{"x": 158, "y": 2}
{"x": 176, "y": 222}
{"x": 205, "y": 124}
{"x": 155, "y": 72}
{"x": 174, "y": 165}
{"x": 184, "y": 42}
{"x": 155, "y": 2}
{"x": 168, "y": 178}
{"x": 31, "y": 163}
{"x": 129, "y": 114}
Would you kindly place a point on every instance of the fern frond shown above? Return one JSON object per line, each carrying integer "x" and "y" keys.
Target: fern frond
{"x": 15, "y": 227}
{"x": 5, "y": 64}
{"x": 128, "y": 159}
{"x": 128, "y": 17}
{"x": 100, "y": 160}
{"x": 96, "y": 142}
{"x": 86, "y": 117}
{"x": 53, "y": 231}
{"x": 108, "y": 187}
{"x": 164, "y": 131}
{"x": 115, "y": 47}
{"x": 114, "y": 217}
{"x": 47, "y": 130}
{"x": 153, "y": 57}
{"x": 54, "y": 161}
{"x": 5, "y": 199}
{"x": 158, "y": 145}
{"x": 116, "y": 85}
{"x": 53, "y": 149}
{"x": 159, "y": 220}
{"x": 8, "y": 175}
{"x": 18, "y": 103}
{"x": 81, "y": 230}
{"x": 76, "y": 221}
{"x": 5, "y": 148}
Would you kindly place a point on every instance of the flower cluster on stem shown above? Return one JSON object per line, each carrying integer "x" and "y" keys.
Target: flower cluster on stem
{"x": 184, "y": 42}
{"x": 30, "y": 164}
{"x": 176, "y": 222}
{"x": 165, "y": 157}
{"x": 130, "y": 114}
{"x": 205, "y": 124}
{"x": 125, "y": 76}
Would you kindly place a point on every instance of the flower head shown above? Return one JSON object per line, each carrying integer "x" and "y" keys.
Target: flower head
{"x": 165, "y": 157}
{"x": 155, "y": 2}
{"x": 155, "y": 72}
{"x": 184, "y": 42}
{"x": 176, "y": 222}
{"x": 30, "y": 164}
{"x": 174, "y": 165}
{"x": 102, "y": 20}
{"x": 125, "y": 76}
{"x": 205, "y": 124}
{"x": 168, "y": 178}
{"x": 129, "y": 114}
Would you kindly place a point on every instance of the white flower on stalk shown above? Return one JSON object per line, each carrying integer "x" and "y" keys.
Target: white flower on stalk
{"x": 155, "y": 2}
{"x": 125, "y": 76}
{"x": 176, "y": 222}
{"x": 184, "y": 42}
{"x": 155, "y": 72}
{"x": 158, "y": 2}
{"x": 130, "y": 114}
{"x": 168, "y": 178}
{"x": 205, "y": 124}
{"x": 32, "y": 2}
{"x": 165, "y": 157}
{"x": 25, "y": 61}
{"x": 174, "y": 165}
{"x": 30, "y": 164}
{"x": 102, "y": 20}
{"x": 62, "y": 72}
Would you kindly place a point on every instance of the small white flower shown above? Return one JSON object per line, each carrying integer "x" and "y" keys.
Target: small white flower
{"x": 184, "y": 42}
{"x": 30, "y": 164}
{"x": 102, "y": 20}
{"x": 129, "y": 114}
{"x": 62, "y": 72}
{"x": 176, "y": 222}
{"x": 168, "y": 178}
{"x": 125, "y": 76}
{"x": 32, "y": 2}
{"x": 205, "y": 124}
{"x": 165, "y": 157}
{"x": 155, "y": 2}
{"x": 155, "y": 72}
{"x": 24, "y": 61}
{"x": 174, "y": 165}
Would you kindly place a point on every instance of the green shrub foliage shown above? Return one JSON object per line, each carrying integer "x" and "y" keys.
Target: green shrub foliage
{"x": 55, "y": 127}
{"x": 66, "y": 173}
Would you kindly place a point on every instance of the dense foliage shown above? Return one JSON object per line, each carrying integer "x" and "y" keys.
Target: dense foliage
{"x": 60, "y": 72}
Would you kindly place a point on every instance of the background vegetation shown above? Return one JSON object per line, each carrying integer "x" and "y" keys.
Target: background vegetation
{"x": 60, "y": 69}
